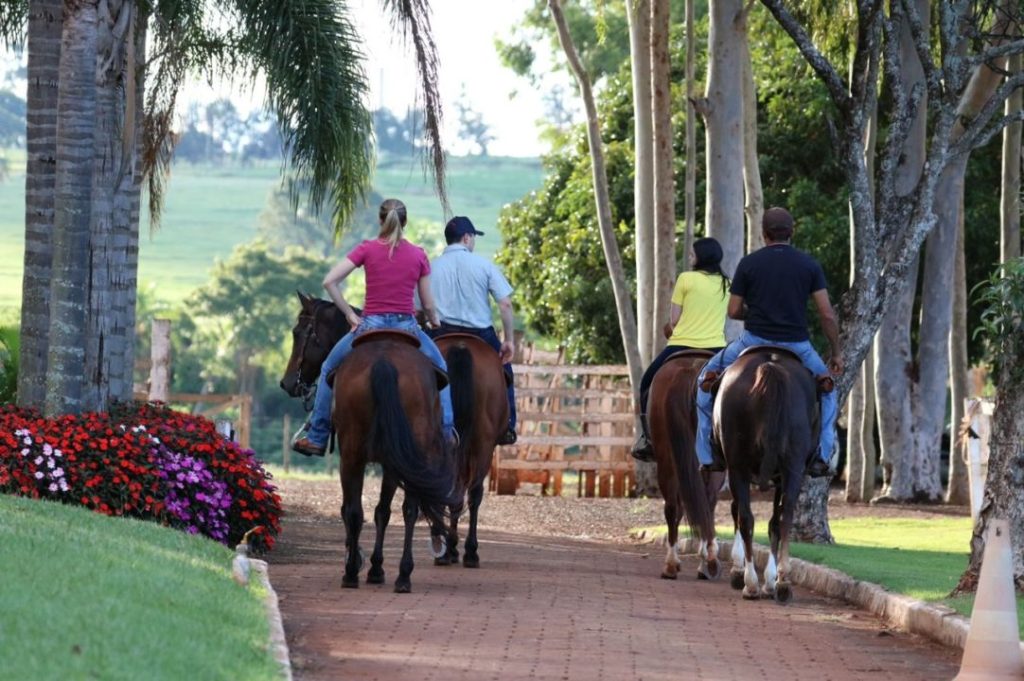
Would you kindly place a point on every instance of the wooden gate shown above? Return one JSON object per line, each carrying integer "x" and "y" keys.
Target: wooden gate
{"x": 572, "y": 418}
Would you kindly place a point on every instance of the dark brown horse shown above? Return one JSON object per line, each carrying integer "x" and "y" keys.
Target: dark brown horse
{"x": 386, "y": 402}
{"x": 767, "y": 422}
{"x": 387, "y": 410}
{"x": 672, "y": 415}
{"x": 480, "y": 403}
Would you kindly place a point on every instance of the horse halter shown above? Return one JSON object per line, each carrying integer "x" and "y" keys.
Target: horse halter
{"x": 308, "y": 389}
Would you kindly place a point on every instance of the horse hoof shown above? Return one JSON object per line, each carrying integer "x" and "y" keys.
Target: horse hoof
{"x": 668, "y": 574}
{"x": 403, "y": 587}
{"x": 470, "y": 562}
{"x": 783, "y": 593}
{"x": 375, "y": 577}
{"x": 349, "y": 582}
{"x": 751, "y": 594}
{"x": 709, "y": 570}
{"x": 443, "y": 560}
{"x": 736, "y": 580}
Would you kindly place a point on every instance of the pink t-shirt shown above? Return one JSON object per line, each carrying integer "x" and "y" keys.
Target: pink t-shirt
{"x": 390, "y": 277}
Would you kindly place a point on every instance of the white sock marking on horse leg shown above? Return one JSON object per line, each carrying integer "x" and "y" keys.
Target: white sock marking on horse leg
{"x": 770, "y": 575}
{"x": 738, "y": 554}
{"x": 703, "y": 552}
{"x": 750, "y": 577}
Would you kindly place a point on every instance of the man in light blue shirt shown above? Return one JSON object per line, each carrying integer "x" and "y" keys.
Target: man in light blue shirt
{"x": 463, "y": 283}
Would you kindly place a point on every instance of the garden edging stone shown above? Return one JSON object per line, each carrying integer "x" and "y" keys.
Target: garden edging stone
{"x": 937, "y": 622}
{"x": 278, "y": 643}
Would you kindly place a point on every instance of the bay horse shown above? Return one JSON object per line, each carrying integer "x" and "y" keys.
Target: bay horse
{"x": 480, "y": 403}
{"x": 767, "y": 422}
{"x": 386, "y": 403}
{"x": 672, "y": 417}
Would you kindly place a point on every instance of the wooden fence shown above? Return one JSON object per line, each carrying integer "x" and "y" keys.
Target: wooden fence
{"x": 572, "y": 418}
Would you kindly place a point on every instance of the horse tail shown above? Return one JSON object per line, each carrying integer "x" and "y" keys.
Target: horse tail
{"x": 460, "y": 375}
{"x": 392, "y": 439}
{"x": 699, "y": 516}
{"x": 771, "y": 383}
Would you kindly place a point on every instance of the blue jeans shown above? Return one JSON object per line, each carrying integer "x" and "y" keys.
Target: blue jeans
{"x": 489, "y": 336}
{"x": 725, "y": 358}
{"x": 320, "y": 419}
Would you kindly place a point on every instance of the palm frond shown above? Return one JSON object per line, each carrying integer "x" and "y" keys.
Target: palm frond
{"x": 311, "y": 57}
{"x": 412, "y": 18}
{"x": 13, "y": 18}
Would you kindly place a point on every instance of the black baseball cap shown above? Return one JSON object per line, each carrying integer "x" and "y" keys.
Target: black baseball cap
{"x": 458, "y": 227}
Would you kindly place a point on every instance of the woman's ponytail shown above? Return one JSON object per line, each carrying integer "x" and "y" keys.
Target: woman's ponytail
{"x": 392, "y": 216}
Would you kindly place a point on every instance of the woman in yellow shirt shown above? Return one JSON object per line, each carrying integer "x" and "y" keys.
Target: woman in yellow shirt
{"x": 699, "y": 303}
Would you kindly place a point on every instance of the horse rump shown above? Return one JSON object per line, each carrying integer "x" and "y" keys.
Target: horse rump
{"x": 391, "y": 438}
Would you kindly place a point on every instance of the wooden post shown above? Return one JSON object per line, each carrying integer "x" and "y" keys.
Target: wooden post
{"x": 286, "y": 442}
{"x": 160, "y": 367}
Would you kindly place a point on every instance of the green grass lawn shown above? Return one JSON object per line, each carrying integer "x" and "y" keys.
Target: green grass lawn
{"x": 211, "y": 209}
{"x": 921, "y": 558}
{"x": 90, "y": 597}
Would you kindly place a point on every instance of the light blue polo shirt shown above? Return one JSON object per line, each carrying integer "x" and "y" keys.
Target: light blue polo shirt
{"x": 461, "y": 282}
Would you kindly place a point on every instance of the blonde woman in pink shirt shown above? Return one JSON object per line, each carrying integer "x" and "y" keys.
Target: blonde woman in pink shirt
{"x": 394, "y": 269}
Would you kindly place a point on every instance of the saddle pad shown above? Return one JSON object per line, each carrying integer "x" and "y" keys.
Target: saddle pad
{"x": 690, "y": 352}
{"x": 386, "y": 334}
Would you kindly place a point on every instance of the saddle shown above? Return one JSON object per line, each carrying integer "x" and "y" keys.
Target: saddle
{"x": 463, "y": 336}
{"x": 397, "y": 336}
{"x": 712, "y": 379}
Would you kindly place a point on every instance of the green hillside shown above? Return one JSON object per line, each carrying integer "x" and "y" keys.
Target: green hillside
{"x": 209, "y": 210}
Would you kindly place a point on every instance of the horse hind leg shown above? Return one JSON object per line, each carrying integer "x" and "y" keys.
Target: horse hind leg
{"x": 771, "y": 571}
{"x": 352, "y": 516}
{"x": 410, "y": 512}
{"x": 381, "y": 518}
{"x": 745, "y": 539}
{"x": 672, "y": 517}
{"x": 709, "y": 568}
{"x": 476, "y": 496}
{"x": 451, "y": 554}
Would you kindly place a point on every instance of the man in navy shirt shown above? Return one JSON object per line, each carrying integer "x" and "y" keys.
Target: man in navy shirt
{"x": 769, "y": 293}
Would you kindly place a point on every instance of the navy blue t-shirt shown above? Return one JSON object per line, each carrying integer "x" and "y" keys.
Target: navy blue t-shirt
{"x": 775, "y": 283}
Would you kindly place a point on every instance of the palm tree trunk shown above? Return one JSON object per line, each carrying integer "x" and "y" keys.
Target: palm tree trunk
{"x": 44, "y": 34}
{"x": 691, "y": 134}
{"x": 957, "y": 489}
{"x": 752, "y": 190}
{"x": 69, "y": 299}
{"x": 1009, "y": 214}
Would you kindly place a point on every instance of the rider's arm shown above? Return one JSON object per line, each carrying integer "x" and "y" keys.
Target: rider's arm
{"x": 508, "y": 348}
{"x": 427, "y": 301}
{"x": 675, "y": 313}
{"x": 736, "y": 309}
{"x": 830, "y": 326}
{"x": 332, "y": 284}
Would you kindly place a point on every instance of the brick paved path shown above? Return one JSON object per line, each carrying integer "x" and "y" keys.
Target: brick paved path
{"x": 564, "y": 610}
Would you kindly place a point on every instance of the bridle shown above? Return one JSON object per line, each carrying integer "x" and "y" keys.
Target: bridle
{"x": 308, "y": 390}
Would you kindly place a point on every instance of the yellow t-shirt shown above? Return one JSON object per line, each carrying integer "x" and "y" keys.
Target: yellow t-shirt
{"x": 704, "y": 303}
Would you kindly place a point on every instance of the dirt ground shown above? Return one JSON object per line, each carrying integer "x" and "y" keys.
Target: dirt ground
{"x": 564, "y": 592}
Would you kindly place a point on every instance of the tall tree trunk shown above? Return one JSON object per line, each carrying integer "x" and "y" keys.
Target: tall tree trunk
{"x": 638, "y": 13}
{"x": 957, "y": 489}
{"x": 860, "y": 404}
{"x": 69, "y": 299}
{"x": 754, "y": 194}
{"x": 44, "y": 39}
{"x": 691, "y": 135}
{"x": 937, "y": 304}
{"x": 1009, "y": 207}
{"x": 623, "y": 304}
{"x": 664, "y": 172}
{"x": 724, "y": 219}
{"x": 894, "y": 387}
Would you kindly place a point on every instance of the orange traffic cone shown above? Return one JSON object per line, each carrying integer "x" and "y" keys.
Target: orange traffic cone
{"x": 993, "y": 651}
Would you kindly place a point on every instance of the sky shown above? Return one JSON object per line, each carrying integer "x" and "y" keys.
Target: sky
{"x": 464, "y": 31}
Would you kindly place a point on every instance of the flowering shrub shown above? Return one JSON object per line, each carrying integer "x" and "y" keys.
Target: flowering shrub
{"x": 141, "y": 460}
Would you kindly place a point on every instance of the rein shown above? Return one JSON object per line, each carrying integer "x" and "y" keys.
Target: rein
{"x": 308, "y": 389}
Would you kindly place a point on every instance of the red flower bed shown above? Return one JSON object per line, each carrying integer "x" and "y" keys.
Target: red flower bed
{"x": 141, "y": 460}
